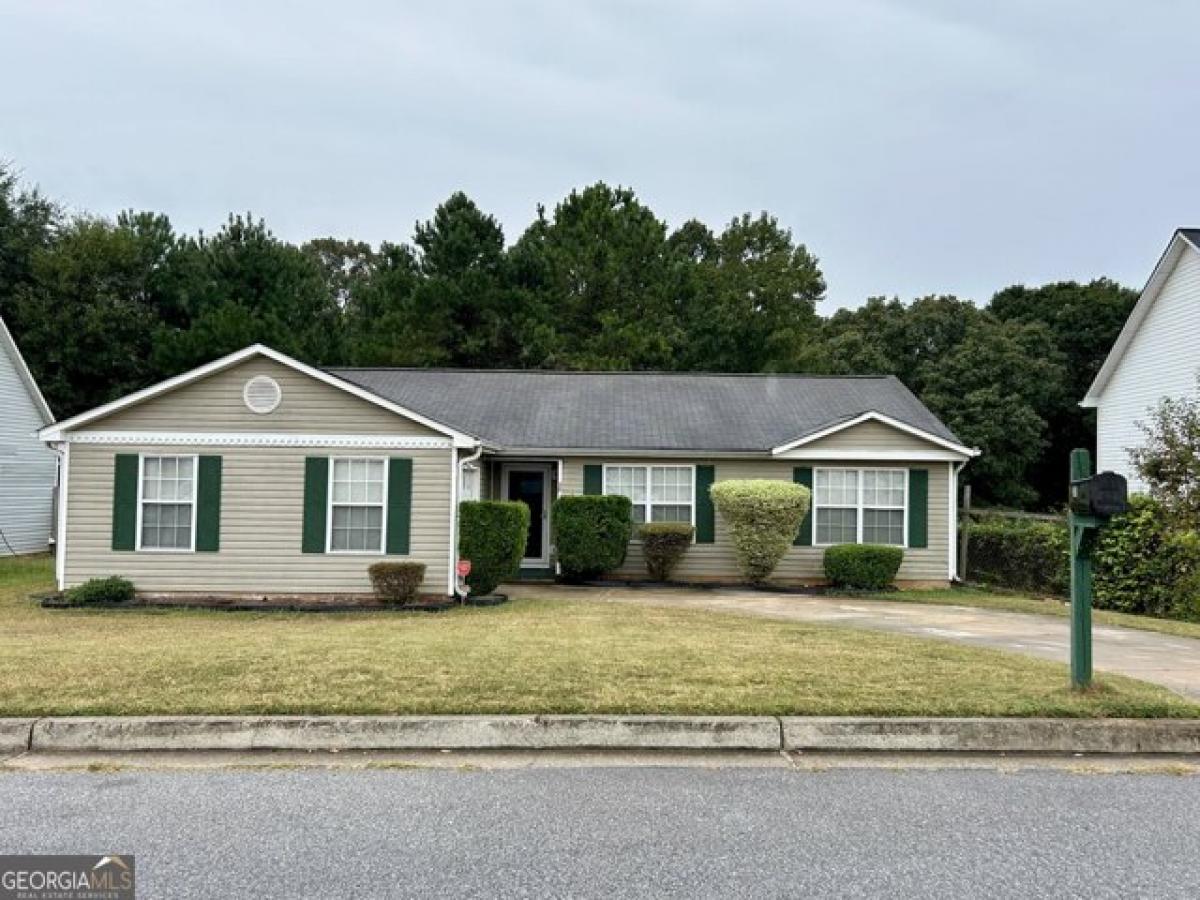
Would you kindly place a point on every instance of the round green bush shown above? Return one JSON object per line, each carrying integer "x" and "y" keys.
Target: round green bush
{"x": 863, "y": 567}
{"x": 397, "y": 582}
{"x": 763, "y": 518}
{"x": 491, "y": 534}
{"x": 101, "y": 591}
{"x": 591, "y": 533}
{"x": 663, "y": 546}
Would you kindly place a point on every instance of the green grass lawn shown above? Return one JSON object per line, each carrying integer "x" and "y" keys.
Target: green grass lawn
{"x": 989, "y": 599}
{"x": 527, "y": 656}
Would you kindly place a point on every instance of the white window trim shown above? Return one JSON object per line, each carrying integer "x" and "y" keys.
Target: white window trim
{"x": 649, "y": 492}
{"x": 329, "y": 504}
{"x": 195, "y": 458}
{"x": 859, "y": 505}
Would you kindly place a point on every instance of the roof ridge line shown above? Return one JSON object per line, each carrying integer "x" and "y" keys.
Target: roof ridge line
{"x": 686, "y": 374}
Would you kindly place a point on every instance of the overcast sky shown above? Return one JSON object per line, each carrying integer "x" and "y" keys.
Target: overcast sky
{"x": 915, "y": 147}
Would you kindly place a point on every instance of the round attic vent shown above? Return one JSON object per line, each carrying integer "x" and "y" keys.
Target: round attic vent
{"x": 262, "y": 394}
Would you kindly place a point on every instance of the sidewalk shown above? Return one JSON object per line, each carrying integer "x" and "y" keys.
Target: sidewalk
{"x": 1173, "y": 662}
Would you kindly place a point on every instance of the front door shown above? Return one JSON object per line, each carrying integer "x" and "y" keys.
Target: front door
{"x": 530, "y": 486}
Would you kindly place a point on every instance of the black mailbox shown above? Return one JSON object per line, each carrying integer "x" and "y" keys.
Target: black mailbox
{"x": 1105, "y": 494}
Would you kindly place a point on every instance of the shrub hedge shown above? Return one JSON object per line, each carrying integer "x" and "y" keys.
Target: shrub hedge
{"x": 1141, "y": 564}
{"x": 591, "y": 533}
{"x": 866, "y": 567}
{"x": 1144, "y": 566}
{"x": 397, "y": 582}
{"x": 763, "y": 517}
{"x": 1020, "y": 554}
{"x": 101, "y": 590}
{"x": 663, "y": 546}
{"x": 491, "y": 534}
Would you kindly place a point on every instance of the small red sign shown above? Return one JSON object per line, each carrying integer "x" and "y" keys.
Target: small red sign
{"x": 464, "y": 568}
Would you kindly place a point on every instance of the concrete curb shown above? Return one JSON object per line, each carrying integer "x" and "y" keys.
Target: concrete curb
{"x": 993, "y": 735}
{"x": 14, "y": 735}
{"x": 407, "y": 733}
{"x": 767, "y": 733}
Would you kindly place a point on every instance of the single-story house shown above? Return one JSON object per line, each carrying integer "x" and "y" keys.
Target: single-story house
{"x": 28, "y": 469}
{"x": 1153, "y": 357}
{"x": 258, "y": 474}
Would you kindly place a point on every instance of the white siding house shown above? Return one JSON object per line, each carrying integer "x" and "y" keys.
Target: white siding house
{"x": 1156, "y": 355}
{"x": 28, "y": 469}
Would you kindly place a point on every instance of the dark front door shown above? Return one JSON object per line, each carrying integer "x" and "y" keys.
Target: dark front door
{"x": 530, "y": 488}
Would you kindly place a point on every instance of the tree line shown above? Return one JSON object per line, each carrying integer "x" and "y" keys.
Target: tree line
{"x": 103, "y": 307}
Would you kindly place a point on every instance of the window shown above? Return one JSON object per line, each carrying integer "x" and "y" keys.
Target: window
{"x": 860, "y": 506}
{"x": 659, "y": 493}
{"x": 883, "y": 506}
{"x": 167, "y": 503}
{"x": 468, "y": 485}
{"x": 357, "y": 497}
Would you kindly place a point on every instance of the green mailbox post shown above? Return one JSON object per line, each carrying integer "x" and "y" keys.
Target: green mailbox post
{"x": 1094, "y": 500}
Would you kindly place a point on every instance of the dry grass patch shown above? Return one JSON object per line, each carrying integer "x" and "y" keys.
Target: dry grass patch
{"x": 528, "y": 656}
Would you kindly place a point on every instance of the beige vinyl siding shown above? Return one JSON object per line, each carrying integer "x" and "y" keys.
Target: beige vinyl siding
{"x": 262, "y": 499}
{"x": 716, "y": 562}
{"x": 869, "y": 436}
{"x": 215, "y": 403}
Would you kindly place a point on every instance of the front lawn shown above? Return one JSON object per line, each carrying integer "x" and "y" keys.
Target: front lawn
{"x": 528, "y": 656}
{"x": 1009, "y": 602}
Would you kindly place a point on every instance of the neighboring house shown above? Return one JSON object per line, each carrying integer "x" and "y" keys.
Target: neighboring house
{"x": 1156, "y": 355}
{"x": 259, "y": 474}
{"x": 28, "y": 469}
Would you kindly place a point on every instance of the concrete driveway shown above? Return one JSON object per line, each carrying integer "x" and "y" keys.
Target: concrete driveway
{"x": 1173, "y": 662}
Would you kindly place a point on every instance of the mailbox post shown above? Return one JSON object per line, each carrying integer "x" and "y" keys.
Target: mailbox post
{"x": 1093, "y": 500}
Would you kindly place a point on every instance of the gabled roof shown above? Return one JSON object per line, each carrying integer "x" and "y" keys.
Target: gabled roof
{"x": 55, "y": 432}
{"x": 1184, "y": 240}
{"x": 652, "y": 411}
{"x": 14, "y": 353}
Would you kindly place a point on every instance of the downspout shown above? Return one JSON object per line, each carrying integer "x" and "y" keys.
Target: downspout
{"x": 955, "y": 468}
{"x": 457, "y": 471}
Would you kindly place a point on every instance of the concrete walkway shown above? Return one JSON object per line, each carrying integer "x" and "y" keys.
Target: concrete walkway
{"x": 1173, "y": 662}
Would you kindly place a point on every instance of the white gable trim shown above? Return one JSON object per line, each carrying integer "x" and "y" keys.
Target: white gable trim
{"x": 873, "y": 416}
{"x": 258, "y": 439}
{"x": 1150, "y": 293}
{"x": 55, "y": 432}
{"x": 25, "y": 375}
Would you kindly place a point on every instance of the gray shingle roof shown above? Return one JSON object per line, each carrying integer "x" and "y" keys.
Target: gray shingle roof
{"x": 641, "y": 410}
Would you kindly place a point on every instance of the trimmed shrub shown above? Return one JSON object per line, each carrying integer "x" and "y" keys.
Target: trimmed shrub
{"x": 864, "y": 567}
{"x": 1144, "y": 566}
{"x": 101, "y": 590}
{"x": 1023, "y": 555}
{"x": 491, "y": 534}
{"x": 397, "y": 582}
{"x": 591, "y": 533}
{"x": 763, "y": 517}
{"x": 663, "y": 546}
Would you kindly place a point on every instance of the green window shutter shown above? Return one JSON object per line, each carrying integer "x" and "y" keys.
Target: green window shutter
{"x": 208, "y": 505}
{"x": 125, "y": 492}
{"x": 316, "y": 497}
{"x": 802, "y": 475}
{"x": 706, "y": 514}
{"x": 399, "y": 505}
{"x": 593, "y": 479}
{"x": 918, "y": 507}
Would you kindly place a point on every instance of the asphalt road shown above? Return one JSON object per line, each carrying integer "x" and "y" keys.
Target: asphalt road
{"x": 621, "y": 832}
